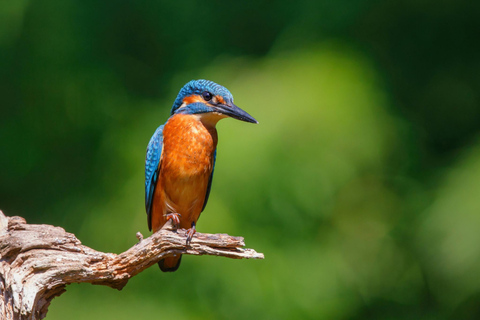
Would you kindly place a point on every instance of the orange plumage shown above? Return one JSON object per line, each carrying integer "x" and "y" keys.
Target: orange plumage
{"x": 185, "y": 169}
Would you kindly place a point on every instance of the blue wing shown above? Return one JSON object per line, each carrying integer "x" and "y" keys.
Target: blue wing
{"x": 152, "y": 167}
{"x": 209, "y": 186}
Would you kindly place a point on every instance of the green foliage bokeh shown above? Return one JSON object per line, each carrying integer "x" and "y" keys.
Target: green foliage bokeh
{"x": 360, "y": 184}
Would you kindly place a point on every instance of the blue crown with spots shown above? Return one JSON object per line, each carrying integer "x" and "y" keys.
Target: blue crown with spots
{"x": 198, "y": 87}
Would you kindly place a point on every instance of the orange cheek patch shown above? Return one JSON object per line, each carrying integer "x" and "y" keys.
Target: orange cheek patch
{"x": 192, "y": 99}
{"x": 220, "y": 99}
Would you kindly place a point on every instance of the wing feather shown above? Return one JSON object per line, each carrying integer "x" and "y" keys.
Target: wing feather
{"x": 152, "y": 168}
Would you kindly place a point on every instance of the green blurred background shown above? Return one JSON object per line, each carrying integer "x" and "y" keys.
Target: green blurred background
{"x": 361, "y": 184}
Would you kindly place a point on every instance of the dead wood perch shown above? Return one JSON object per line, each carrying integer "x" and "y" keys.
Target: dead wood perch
{"x": 38, "y": 261}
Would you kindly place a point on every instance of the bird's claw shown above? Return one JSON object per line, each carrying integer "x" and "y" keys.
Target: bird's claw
{"x": 175, "y": 217}
{"x": 189, "y": 233}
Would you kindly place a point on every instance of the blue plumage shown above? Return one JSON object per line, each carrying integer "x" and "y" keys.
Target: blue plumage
{"x": 198, "y": 87}
{"x": 152, "y": 160}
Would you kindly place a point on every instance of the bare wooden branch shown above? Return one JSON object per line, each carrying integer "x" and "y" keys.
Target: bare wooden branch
{"x": 38, "y": 261}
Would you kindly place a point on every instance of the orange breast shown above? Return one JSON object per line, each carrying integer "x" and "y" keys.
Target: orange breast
{"x": 186, "y": 166}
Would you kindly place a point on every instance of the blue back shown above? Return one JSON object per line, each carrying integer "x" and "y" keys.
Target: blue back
{"x": 152, "y": 160}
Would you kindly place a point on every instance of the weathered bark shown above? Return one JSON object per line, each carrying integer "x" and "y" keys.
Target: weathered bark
{"x": 38, "y": 261}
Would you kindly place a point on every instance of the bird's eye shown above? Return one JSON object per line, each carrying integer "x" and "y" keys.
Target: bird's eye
{"x": 207, "y": 95}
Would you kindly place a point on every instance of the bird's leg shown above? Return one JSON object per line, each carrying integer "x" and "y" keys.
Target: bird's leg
{"x": 175, "y": 217}
{"x": 190, "y": 232}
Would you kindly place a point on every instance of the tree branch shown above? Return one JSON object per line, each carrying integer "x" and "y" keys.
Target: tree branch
{"x": 38, "y": 261}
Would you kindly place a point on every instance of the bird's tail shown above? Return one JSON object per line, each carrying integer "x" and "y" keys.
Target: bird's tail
{"x": 170, "y": 264}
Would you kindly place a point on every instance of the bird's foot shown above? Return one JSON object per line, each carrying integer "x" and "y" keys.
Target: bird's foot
{"x": 190, "y": 232}
{"x": 175, "y": 217}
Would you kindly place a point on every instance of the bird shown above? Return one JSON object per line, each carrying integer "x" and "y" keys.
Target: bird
{"x": 181, "y": 157}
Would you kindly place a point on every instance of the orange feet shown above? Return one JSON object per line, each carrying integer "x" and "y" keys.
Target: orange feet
{"x": 190, "y": 232}
{"x": 175, "y": 217}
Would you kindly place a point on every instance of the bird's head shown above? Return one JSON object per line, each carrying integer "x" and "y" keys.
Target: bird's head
{"x": 205, "y": 97}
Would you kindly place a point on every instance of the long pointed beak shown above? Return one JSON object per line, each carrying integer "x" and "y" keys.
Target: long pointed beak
{"x": 235, "y": 112}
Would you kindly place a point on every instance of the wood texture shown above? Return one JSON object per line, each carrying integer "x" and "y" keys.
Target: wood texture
{"x": 38, "y": 261}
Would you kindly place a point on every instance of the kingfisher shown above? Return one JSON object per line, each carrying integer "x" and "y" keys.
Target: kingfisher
{"x": 181, "y": 158}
